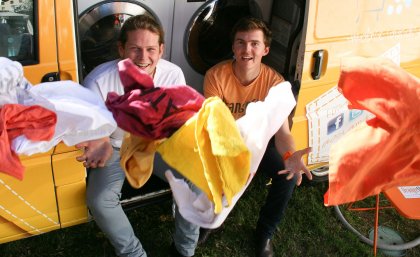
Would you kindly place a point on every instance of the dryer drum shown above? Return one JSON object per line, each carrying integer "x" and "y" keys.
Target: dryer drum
{"x": 99, "y": 29}
{"x": 208, "y": 40}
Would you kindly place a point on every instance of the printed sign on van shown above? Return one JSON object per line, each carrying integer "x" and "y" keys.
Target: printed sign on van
{"x": 329, "y": 118}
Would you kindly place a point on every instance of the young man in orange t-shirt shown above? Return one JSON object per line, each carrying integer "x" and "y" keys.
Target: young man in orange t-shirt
{"x": 246, "y": 79}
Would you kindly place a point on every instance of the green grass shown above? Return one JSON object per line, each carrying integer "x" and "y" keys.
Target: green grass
{"x": 309, "y": 229}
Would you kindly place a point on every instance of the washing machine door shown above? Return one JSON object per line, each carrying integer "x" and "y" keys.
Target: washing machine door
{"x": 98, "y": 31}
{"x": 207, "y": 39}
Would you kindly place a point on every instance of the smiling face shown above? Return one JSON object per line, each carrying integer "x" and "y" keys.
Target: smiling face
{"x": 143, "y": 48}
{"x": 249, "y": 48}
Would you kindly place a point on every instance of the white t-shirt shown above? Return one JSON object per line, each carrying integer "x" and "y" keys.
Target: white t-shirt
{"x": 105, "y": 78}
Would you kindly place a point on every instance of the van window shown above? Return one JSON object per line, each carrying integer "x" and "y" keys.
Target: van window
{"x": 17, "y": 31}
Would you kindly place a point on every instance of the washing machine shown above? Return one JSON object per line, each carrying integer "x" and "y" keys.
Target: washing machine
{"x": 100, "y": 22}
{"x": 201, "y": 33}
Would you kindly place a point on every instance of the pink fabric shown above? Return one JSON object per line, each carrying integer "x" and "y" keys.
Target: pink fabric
{"x": 384, "y": 152}
{"x": 148, "y": 111}
{"x": 34, "y": 122}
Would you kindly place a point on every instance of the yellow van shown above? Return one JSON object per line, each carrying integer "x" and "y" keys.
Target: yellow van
{"x": 309, "y": 40}
{"x": 333, "y": 30}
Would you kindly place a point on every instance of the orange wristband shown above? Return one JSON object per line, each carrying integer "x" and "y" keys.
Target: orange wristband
{"x": 287, "y": 155}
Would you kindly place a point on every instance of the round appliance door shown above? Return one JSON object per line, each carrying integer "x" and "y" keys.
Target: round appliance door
{"x": 98, "y": 31}
{"x": 207, "y": 40}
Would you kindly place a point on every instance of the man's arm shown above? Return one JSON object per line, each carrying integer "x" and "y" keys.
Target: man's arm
{"x": 95, "y": 152}
{"x": 210, "y": 87}
{"x": 294, "y": 164}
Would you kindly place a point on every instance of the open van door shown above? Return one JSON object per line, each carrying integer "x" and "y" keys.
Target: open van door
{"x": 334, "y": 30}
{"x": 52, "y": 192}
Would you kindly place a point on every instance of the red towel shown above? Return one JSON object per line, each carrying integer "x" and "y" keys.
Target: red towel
{"x": 34, "y": 122}
{"x": 148, "y": 111}
{"x": 383, "y": 152}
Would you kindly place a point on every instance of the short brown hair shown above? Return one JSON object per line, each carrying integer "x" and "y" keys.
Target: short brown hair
{"x": 251, "y": 23}
{"x": 142, "y": 21}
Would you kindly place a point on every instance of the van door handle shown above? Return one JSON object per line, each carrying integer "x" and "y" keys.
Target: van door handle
{"x": 50, "y": 77}
{"x": 318, "y": 57}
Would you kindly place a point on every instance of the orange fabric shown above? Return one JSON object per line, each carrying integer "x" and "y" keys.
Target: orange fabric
{"x": 34, "y": 122}
{"x": 137, "y": 156}
{"x": 382, "y": 152}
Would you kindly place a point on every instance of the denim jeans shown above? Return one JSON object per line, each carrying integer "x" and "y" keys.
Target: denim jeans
{"x": 103, "y": 200}
{"x": 279, "y": 193}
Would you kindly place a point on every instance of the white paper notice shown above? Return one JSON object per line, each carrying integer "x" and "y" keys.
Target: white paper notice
{"x": 410, "y": 191}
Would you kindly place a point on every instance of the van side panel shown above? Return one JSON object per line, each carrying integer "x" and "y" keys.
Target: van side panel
{"x": 70, "y": 186}
{"x": 340, "y": 29}
{"x": 66, "y": 40}
{"x": 28, "y": 207}
{"x": 69, "y": 174}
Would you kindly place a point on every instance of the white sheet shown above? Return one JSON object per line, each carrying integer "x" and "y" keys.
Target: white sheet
{"x": 81, "y": 115}
{"x": 11, "y": 78}
{"x": 261, "y": 121}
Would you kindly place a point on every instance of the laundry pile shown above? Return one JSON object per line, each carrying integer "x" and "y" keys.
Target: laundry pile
{"x": 206, "y": 145}
{"x": 36, "y": 118}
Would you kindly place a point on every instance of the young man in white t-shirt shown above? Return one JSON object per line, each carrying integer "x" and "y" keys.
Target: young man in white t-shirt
{"x": 142, "y": 40}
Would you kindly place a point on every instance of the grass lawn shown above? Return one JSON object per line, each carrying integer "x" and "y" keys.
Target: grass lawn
{"x": 309, "y": 229}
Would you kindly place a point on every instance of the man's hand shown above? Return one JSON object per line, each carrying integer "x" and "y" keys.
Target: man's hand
{"x": 96, "y": 152}
{"x": 294, "y": 166}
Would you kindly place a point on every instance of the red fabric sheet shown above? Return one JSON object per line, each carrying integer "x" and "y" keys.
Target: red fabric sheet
{"x": 35, "y": 122}
{"x": 148, "y": 111}
{"x": 384, "y": 152}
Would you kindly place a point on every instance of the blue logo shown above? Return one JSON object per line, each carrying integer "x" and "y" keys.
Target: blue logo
{"x": 335, "y": 124}
{"x": 355, "y": 113}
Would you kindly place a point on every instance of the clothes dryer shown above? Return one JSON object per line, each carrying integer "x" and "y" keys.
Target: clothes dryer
{"x": 201, "y": 32}
{"x": 100, "y": 22}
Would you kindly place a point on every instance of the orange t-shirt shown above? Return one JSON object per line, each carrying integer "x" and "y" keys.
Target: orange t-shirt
{"x": 220, "y": 81}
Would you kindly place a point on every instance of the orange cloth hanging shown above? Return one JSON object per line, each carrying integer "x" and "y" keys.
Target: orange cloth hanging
{"x": 382, "y": 152}
{"x": 34, "y": 122}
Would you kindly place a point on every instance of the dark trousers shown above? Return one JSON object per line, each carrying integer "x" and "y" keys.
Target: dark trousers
{"x": 279, "y": 194}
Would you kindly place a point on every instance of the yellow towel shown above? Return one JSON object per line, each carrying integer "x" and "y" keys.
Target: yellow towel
{"x": 209, "y": 151}
{"x": 137, "y": 155}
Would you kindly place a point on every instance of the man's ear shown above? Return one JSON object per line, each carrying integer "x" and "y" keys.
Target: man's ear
{"x": 266, "y": 50}
{"x": 161, "y": 49}
{"x": 120, "y": 47}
